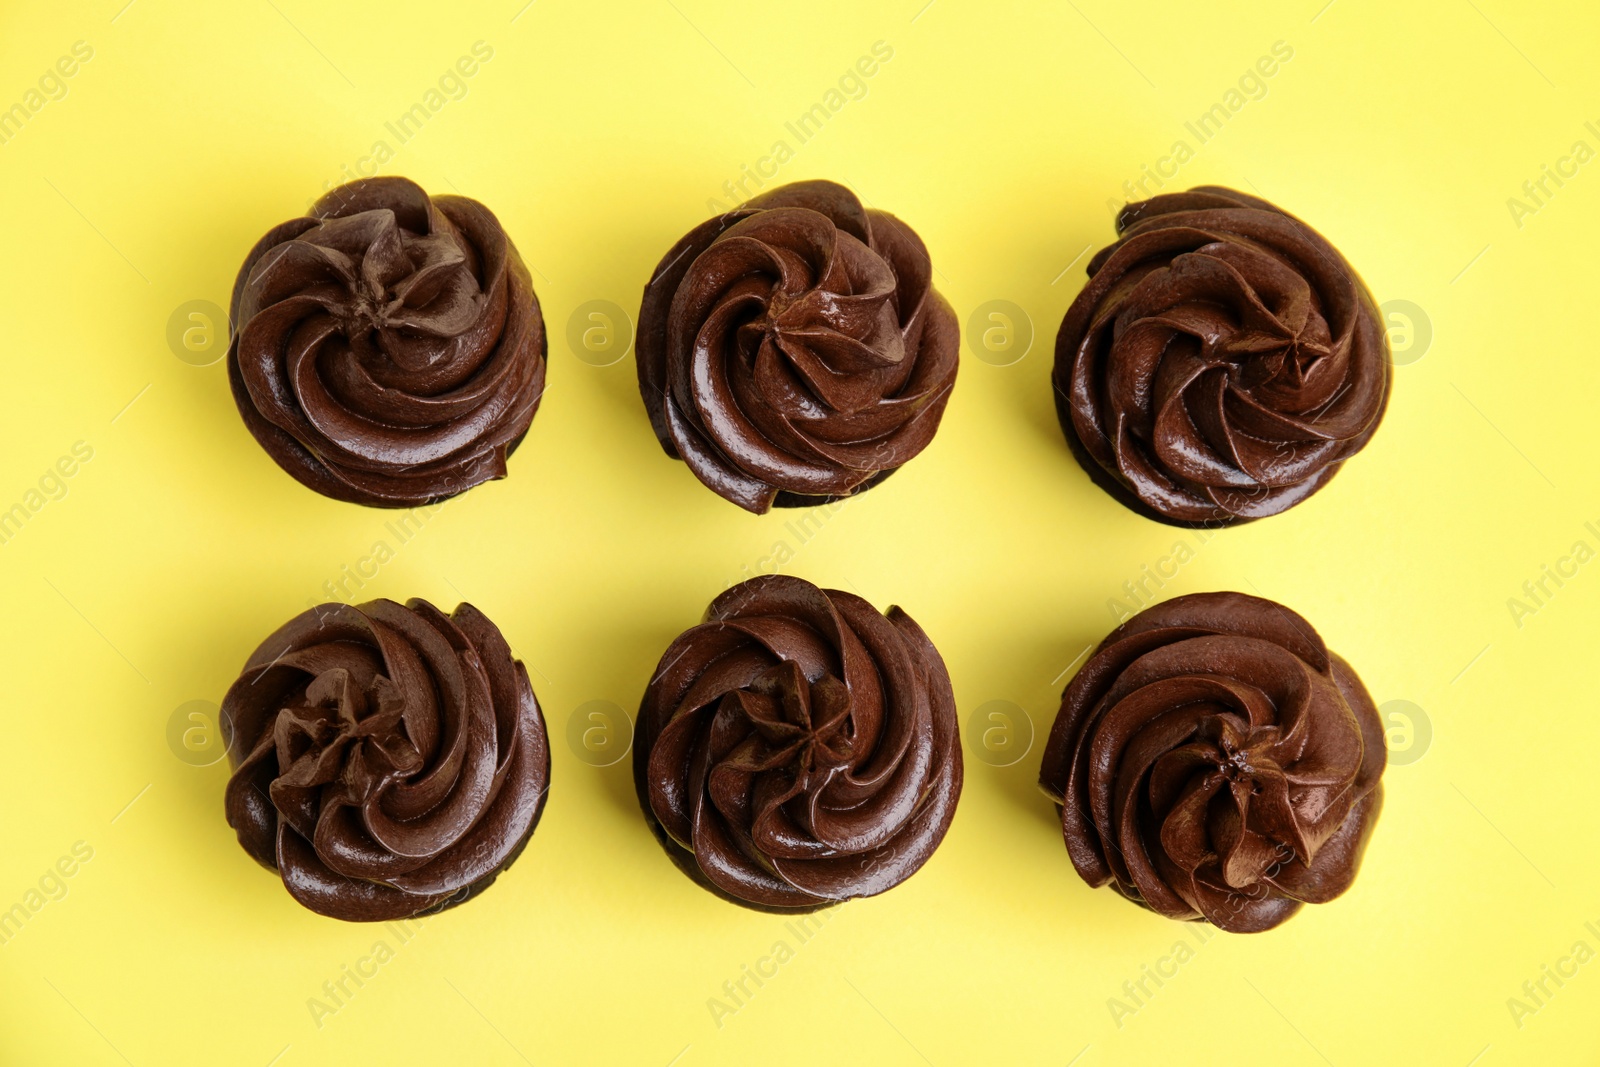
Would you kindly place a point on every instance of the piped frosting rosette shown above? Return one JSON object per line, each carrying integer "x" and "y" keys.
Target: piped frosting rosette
{"x": 388, "y": 760}
{"x": 793, "y": 350}
{"x": 1222, "y": 363}
{"x": 1213, "y": 760}
{"x": 389, "y": 348}
{"x": 799, "y": 748}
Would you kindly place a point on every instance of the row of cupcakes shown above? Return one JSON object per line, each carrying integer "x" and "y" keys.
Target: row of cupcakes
{"x": 1212, "y": 760}
{"x": 1221, "y": 364}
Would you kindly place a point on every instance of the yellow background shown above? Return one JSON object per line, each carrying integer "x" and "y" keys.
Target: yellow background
{"x": 597, "y": 133}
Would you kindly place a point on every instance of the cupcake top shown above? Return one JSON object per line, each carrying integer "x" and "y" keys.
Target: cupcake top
{"x": 1222, "y": 363}
{"x": 1213, "y": 760}
{"x": 793, "y": 350}
{"x": 388, "y": 347}
{"x": 798, "y": 748}
{"x": 387, "y": 761}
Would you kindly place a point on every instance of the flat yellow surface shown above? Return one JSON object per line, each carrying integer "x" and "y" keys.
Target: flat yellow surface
{"x": 599, "y": 133}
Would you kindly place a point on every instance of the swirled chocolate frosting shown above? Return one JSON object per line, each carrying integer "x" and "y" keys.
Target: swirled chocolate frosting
{"x": 1213, "y": 760}
{"x": 793, "y": 351}
{"x": 387, "y": 761}
{"x": 798, "y": 748}
{"x": 1222, "y": 363}
{"x": 389, "y": 349}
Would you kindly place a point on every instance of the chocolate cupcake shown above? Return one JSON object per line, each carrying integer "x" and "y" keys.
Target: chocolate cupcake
{"x": 793, "y": 351}
{"x": 798, "y": 748}
{"x": 388, "y": 349}
{"x": 388, "y": 761}
{"x": 1214, "y": 761}
{"x": 1222, "y": 363}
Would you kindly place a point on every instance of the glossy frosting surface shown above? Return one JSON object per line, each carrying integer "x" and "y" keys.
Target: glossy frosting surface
{"x": 798, "y": 747}
{"x": 794, "y": 350}
{"x": 1213, "y": 760}
{"x": 1222, "y": 363}
{"x": 389, "y": 348}
{"x": 388, "y": 760}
